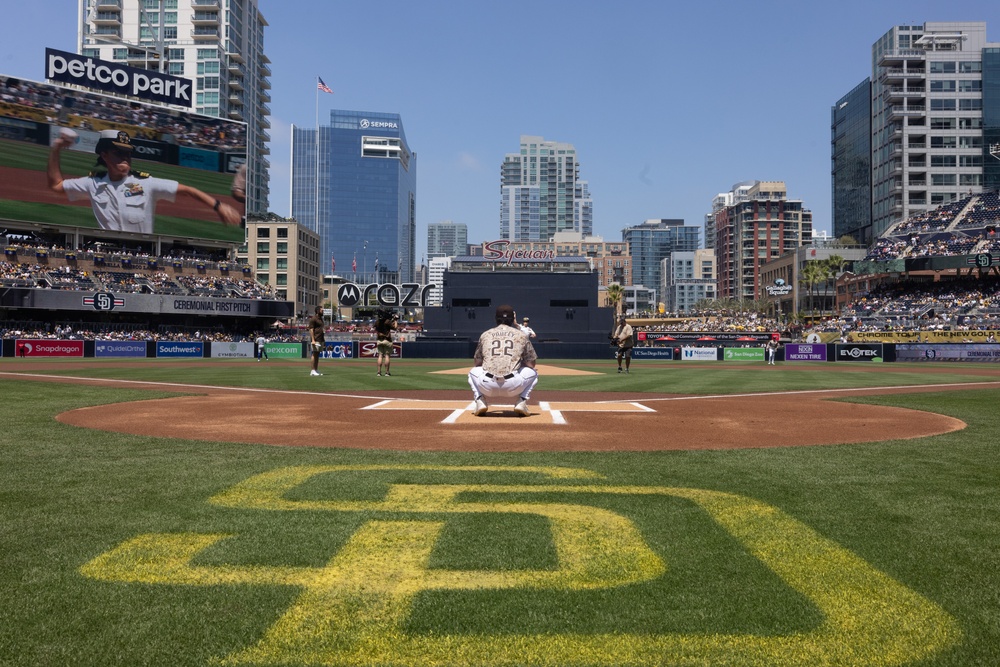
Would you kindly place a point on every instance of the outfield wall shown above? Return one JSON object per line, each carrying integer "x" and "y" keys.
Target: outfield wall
{"x": 464, "y": 349}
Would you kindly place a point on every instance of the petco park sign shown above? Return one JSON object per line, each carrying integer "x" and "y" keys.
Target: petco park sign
{"x": 499, "y": 251}
{"x": 114, "y": 77}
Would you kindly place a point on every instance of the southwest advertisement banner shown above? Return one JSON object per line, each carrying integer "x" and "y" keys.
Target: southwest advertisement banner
{"x": 176, "y": 349}
{"x": 805, "y": 352}
{"x": 952, "y": 352}
{"x": 120, "y": 348}
{"x": 48, "y": 348}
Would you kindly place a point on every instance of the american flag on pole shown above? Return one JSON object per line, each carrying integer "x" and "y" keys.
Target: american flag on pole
{"x": 333, "y": 264}
{"x": 354, "y": 264}
{"x": 322, "y": 86}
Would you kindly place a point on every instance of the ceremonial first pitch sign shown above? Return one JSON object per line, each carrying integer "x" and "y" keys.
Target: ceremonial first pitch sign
{"x": 356, "y": 608}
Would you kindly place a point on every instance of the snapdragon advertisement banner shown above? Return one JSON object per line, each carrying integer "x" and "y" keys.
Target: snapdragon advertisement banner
{"x": 120, "y": 348}
{"x": 172, "y": 349}
{"x": 48, "y": 348}
{"x": 805, "y": 352}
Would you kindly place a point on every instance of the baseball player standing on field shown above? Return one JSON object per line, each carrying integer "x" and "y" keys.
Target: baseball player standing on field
{"x": 317, "y": 338}
{"x": 505, "y": 365}
{"x": 124, "y": 200}
{"x": 624, "y": 339}
{"x": 262, "y": 347}
{"x": 385, "y": 324}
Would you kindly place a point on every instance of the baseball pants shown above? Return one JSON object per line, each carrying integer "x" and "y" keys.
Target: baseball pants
{"x": 518, "y": 384}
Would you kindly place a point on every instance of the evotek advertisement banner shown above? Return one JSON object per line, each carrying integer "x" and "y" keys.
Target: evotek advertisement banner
{"x": 48, "y": 348}
{"x": 120, "y": 348}
{"x": 112, "y": 77}
{"x": 231, "y": 351}
{"x": 175, "y": 349}
{"x": 859, "y": 352}
{"x": 805, "y": 352}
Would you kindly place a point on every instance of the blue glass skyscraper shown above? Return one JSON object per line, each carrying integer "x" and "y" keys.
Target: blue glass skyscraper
{"x": 356, "y": 186}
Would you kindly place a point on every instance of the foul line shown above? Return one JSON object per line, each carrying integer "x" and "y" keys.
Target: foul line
{"x": 815, "y": 391}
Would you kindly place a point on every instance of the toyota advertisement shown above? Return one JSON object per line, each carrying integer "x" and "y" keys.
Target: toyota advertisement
{"x": 120, "y": 165}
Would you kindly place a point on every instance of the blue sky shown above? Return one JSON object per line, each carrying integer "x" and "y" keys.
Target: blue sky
{"x": 667, "y": 103}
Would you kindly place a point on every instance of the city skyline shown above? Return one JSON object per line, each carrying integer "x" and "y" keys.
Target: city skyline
{"x": 666, "y": 105}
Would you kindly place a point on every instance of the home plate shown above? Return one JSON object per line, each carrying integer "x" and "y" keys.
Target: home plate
{"x": 544, "y": 413}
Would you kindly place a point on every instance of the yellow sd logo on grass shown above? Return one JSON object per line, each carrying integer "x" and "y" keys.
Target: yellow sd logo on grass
{"x": 354, "y": 609}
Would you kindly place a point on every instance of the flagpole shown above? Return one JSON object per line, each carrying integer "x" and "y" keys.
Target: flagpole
{"x": 319, "y": 231}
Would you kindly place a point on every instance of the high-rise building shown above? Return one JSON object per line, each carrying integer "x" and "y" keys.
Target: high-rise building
{"x": 851, "y": 172}
{"x": 934, "y": 106}
{"x": 218, "y": 45}
{"x": 541, "y": 192}
{"x": 652, "y": 242}
{"x": 447, "y": 239}
{"x": 359, "y": 193}
{"x": 761, "y": 226}
{"x": 285, "y": 255}
{"x": 688, "y": 277}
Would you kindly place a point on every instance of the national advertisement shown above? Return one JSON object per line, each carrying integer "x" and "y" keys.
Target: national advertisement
{"x": 699, "y": 354}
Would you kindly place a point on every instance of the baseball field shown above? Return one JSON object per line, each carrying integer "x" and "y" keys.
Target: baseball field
{"x": 233, "y": 512}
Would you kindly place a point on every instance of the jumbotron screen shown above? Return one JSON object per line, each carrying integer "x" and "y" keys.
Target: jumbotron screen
{"x": 201, "y": 153}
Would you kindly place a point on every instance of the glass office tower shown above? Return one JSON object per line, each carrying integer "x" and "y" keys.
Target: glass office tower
{"x": 356, "y": 186}
{"x": 851, "y": 164}
{"x": 652, "y": 242}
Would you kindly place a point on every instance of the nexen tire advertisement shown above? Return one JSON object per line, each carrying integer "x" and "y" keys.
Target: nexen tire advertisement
{"x": 860, "y": 352}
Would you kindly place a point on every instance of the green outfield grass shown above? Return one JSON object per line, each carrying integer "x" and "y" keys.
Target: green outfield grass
{"x": 127, "y": 550}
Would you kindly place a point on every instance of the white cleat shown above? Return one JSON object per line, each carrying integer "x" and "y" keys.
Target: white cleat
{"x": 522, "y": 408}
{"x": 314, "y": 373}
{"x": 480, "y": 409}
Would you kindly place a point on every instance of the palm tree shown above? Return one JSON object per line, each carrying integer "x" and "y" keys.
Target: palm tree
{"x": 811, "y": 275}
{"x": 615, "y": 294}
{"x": 833, "y": 265}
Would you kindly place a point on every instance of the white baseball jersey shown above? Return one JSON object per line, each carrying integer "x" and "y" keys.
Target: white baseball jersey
{"x": 126, "y": 206}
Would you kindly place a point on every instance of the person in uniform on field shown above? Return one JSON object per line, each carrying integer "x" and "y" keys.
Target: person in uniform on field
{"x": 771, "y": 349}
{"x": 526, "y": 328}
{"x": 385, "y": 324}
{"x": 124, "y": 200}
{"x": 261, "y": 347}
{"x": 505, "y": 365}
{"x": 317, "y": 338}
{"x": 624, "y": 339}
